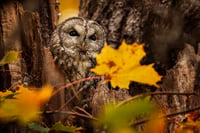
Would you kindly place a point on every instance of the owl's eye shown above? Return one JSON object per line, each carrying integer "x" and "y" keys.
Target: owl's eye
{"x": 93, "y": 37}
{"x": 73, "y": 33}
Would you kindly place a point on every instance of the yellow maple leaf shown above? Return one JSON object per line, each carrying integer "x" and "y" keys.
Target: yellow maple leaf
{"x": 122, "y": 66}
{"x": 26, "y": 105}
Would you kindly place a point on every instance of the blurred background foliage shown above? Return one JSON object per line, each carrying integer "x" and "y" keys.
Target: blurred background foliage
{"x": 68, "y": 8}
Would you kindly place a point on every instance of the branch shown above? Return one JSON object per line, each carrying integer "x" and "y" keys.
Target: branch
{"x": 156, "y": 93}
{"x": 171, "y": 93}
{"x": 75, "y": 82}
{"x": 168, "y": 115}
{"x": 70, "y": 113}
{"x": 62, "y": 107}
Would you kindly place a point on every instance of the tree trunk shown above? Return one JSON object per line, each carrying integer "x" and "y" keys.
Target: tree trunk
{"x": 165, "y": 26}
{"x": 25, "y": 26}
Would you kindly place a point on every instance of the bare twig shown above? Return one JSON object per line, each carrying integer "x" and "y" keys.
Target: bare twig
{"x": 75, "y": 82}
{"x": 70, "y": 113}
{"x": 80, "y": 90}
{"x": 183, "y": 112}
{"x": 43, "y": 124}
{"x": 74, "y": 91}
{"x": 171, "y": 93}
{"x": 138, "y": 122}
{"x": 155, "y": 93}
{"x": 169, "y": 115}
{"x": 84, "y": 111}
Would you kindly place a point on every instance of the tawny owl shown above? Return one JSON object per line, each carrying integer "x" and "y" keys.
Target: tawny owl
{"x": 74, "y": 44}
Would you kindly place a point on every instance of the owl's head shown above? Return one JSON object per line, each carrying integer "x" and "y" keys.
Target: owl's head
{"x": 80, "y": 34}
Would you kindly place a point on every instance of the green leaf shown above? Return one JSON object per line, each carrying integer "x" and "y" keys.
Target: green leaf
{"x": 38, "y": 128}
{"x": 2, "y": 99}
{"x": 9, "y": 57}
{"x": 8, "y": 96}
{"x": 57, "y": 127}
{"x": 11, "y": 96}
{"x": 60, "y": 127}
{"x": 117, "y": 117}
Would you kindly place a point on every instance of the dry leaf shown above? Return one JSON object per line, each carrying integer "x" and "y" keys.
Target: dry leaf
{"x": 157, "y": 123}
{"x": 190, "y": 123}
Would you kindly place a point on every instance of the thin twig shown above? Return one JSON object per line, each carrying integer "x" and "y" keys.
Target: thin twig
{"x": 70, "y": 113}
{"x": 170, "y": 93}
{"x": 130, "y": 99}
{"x": 156, "y": 93}
{"x": 84, "y": 111}
{"x": 169, "y": 115}
{"x": 183, "y": 112}
{"x": 62, "y": 107}
{"x": 75, "y": 82}
{"x": 43, "y": 124}
{"x": 74, "y": 90}
{"x": 139, "y": 122}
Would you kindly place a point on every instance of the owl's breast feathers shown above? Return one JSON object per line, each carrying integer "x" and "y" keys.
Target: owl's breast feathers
{"x": 70, "y": 62}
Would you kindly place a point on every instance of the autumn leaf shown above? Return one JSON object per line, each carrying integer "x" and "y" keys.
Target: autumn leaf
{"x": 122, "y": 66}
{"x": 10, "y": 57}
{"x": 156, "y": 124}
{"x": 182, "y": 129}
{"x": 58, "y": 126}
{"x": 38, "y": 128}
{"x": 190, "y": 124}
{"x": 26, "y": 105}
{"x": 7, "y": 95}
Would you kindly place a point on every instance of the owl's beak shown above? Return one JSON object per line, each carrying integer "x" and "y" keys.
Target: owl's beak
{"x": 82, "y": 49}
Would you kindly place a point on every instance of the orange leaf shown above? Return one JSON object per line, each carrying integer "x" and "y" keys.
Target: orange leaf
{"x": 26, "y": 106}
{"x": 190, "y": 123}
{"x": 181, "y": 129}
{"x": 157, "y": 124}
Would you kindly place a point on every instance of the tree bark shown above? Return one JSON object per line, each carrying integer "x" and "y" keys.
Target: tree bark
{"x": 25, "y": 26}
{"x": 165, "y": 26}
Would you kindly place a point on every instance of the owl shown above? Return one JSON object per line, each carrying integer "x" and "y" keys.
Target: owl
{"x": 74, "y": 45}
